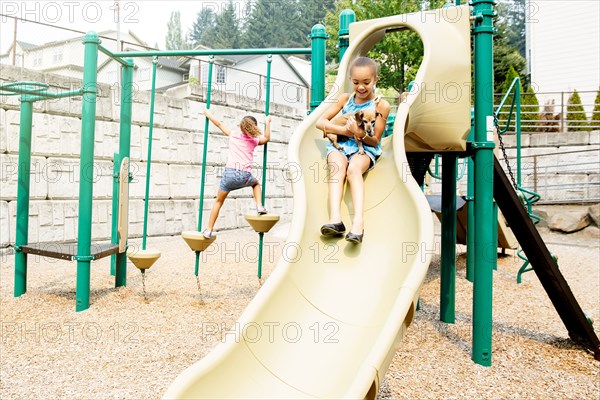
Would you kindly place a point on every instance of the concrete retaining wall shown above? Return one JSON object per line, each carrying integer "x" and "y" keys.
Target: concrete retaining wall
{"x": 176, "y": 162}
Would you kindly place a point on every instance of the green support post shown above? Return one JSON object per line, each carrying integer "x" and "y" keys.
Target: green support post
{"x": 448, "y": 268}
{"x": 261, "y": 235}
{"x": 211, "y": 61}
{"x": 149, "y": 158}
{"x": 318, "y": 37}
{"x": 114, "y": 234}
{"x": 470, "y": 209}
{"x": 86, "y": 171}
{"x": 24, "y": 178}
{"x": 346, "y": 18}
{"x": 124, "y": 149}
{"x": 483, "y": 32}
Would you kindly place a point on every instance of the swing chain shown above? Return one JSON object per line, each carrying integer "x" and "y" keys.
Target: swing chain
{"x": 508, "y": 167}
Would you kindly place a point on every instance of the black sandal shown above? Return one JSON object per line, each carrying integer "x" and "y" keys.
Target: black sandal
{"x": 333, "y": 229}
{"x": 355, "y": 238}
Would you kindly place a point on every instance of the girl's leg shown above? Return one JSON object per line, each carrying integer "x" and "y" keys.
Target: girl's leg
{"x": 256, "y": 191}
{"x": 337, "y": 163}
{"x": 214, "y": 213}
{"x": 359, "y": 164}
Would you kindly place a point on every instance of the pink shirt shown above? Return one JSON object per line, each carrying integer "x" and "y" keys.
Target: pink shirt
{"x": 241, "y": 149}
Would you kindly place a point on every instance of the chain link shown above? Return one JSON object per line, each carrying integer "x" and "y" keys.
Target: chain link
{"x": 508, "y": 167}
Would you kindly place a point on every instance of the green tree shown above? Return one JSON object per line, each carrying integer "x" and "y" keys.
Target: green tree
{"x": 174, "y": 39}
{"x": 226, "y": 32}
{"x": 202, "y": 30}
{"x": 576, "y": 119}
{"x": 596, "y": 113}
{"x": 530, "y": 111}
{"x": 268, "y": 24}
{"x": 400, "y": 53}
{"x": 509, "y": 41}
{"x": 504, "y": 112}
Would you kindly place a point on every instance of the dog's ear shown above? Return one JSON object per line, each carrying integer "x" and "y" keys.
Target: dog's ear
{"x": 378, "y": 114}
{"x": 359, "y": 117}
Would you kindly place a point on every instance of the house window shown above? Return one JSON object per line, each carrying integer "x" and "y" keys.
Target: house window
{"x": 186, "y": 77}
{"x": 57, "y": 54}
{"x": 221, "y": 73}
{"x": 38, "y": 58}
{"x": 144, "y": 74}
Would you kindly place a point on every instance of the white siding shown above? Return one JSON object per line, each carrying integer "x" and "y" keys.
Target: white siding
{"x": 564, "y": 40}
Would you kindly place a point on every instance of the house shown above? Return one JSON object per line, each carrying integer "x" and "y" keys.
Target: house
{"x": 240, "y": 75}
{"x": 563, "y": 49}
{"x": 65, "y": 57}
{"x": 246, "y": 76}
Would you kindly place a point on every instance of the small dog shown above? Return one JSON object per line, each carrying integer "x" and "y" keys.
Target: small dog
{"x": 364, "y": 119}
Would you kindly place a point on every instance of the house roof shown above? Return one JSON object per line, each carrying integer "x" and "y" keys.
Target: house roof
{"x": 26, "y": 45}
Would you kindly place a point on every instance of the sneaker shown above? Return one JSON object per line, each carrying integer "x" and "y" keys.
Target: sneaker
{"x": 207, "y": 234}
{"x": 261, "y": 210}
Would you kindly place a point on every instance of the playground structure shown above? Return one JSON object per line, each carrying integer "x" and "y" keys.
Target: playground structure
{"x": 352, "y": 292}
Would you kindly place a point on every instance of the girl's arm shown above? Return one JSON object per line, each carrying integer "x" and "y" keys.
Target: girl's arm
{"x": 384, "y": 109}
{"x": 217, "y": 123}
{"x": 267, "y": 136}
{"x": 324, "y": 123}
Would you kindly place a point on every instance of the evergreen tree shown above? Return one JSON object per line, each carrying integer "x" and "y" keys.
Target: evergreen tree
{"x": 504, "y": 112}
{"x": 596, "y": 113}
{"x": 576, "y": 119}
{"x": 311, "y": 12}
{"x": 226, "y": 32}
{"x": 174, "y": 39}
{"x": 271, "y": 24}
{"x": 530, "y": 111}
{"x": 202, "y": 31}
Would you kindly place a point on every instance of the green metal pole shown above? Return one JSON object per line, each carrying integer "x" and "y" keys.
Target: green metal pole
{"x": 261, "y": 235}
{"x": 211, "y": 52}
{"x": 211, "y": 61}
{"x": 518, "y": 131}
{"x": 483, "y": 32}
{"x": 149, "y": 158}
{"x": 124, "y": 149}
{"x": 470, "y": 209}
{"x": 24, "y": 178}
{"x": 318, "y": 38}
{"x": 495, "y": 232}
{"x": 86, "y": 171}
{"x": 448, "y": 268}
{"x": 114, "y": 234}
{"x": 346, "y": 18}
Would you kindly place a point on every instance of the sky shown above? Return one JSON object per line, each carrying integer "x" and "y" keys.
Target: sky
{"x": 146, "y": 18}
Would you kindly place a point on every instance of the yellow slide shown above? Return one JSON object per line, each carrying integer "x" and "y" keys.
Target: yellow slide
{"x": 329, "y": 319}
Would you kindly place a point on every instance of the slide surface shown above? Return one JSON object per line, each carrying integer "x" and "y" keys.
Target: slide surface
{"x": 329, "y": 319}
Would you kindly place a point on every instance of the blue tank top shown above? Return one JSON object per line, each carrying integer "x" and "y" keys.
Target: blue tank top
{"x": 350, "y": 146}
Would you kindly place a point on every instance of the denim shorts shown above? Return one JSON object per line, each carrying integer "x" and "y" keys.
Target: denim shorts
{"x": 350, "y": 148}
{"x": 236, "y": 179}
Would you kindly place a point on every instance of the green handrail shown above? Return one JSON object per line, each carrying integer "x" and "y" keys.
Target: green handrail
{"x": 437, "y": 175}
